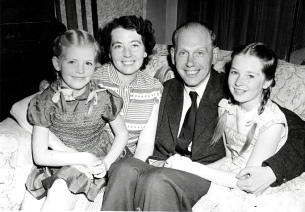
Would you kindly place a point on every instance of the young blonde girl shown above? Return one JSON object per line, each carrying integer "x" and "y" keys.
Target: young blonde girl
{"x": 75, "y": 108}
{"x": 251, "y": 126}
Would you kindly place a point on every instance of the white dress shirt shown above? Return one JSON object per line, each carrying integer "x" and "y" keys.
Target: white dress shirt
{"x": 187, "y": 101}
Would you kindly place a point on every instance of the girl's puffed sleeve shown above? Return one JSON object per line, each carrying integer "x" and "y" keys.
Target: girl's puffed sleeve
{"x": 114, "y": 106}
{"x": 41, "y": 109}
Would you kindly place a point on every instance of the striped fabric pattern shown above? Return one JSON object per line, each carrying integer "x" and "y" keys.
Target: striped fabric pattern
{"x": 90, "y": 15}
{"x": 79, "y": 202}
{"x": 139, "y": 98}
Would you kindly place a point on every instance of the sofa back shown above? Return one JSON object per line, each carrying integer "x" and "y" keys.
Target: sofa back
{"x": 289, "y": 89}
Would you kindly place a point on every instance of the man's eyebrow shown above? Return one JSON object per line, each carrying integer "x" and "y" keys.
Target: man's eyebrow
{"x": 251, "y": 72}
{"x": 116, "y": 42}
{"x": 136, "y": 41}
{"x": 232, "y": 67}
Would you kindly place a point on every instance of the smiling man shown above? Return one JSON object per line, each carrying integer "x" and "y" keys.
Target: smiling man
{"x": 193, "y": 54}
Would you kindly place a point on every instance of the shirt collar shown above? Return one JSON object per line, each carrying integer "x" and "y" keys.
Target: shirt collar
{"x": 83, "y": 96}
{"x": 113, "y": 73}
{"x": 200, "y": 90}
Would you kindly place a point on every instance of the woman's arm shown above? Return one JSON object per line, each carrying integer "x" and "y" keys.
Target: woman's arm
{"x": 120, "y": 140}
{"x": 45, "y": 157}
{"x": 265, "y": 147}
{"x": 145, "y": 146}
{"x": 220, "y": 177}
{"x": 19, "y": 112}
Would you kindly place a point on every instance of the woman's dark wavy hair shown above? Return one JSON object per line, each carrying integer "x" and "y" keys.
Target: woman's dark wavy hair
{"x": 269, "y": 62}
{"x": 141, "y": 26}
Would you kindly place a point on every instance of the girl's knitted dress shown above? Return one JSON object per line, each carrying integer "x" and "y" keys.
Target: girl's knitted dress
{"x": 79, "y": 123}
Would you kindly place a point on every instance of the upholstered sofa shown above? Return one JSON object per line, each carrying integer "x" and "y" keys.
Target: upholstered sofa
{"x": 15, "y": 142}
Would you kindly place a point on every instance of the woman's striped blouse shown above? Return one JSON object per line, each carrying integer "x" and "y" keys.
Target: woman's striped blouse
{"x": 139, "y": 98}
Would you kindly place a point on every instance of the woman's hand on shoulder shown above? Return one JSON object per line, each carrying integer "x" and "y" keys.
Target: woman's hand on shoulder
{"x": 19, "y": 112}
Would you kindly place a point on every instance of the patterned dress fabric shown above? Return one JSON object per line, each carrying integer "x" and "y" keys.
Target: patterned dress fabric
{"x": 220, "y": 198}
{"x": 139, "y": 98}
{"x": 79, "y": 123}
{"x": 238, "y": 125}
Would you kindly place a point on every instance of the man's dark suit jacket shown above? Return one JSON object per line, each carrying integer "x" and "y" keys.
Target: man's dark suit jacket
{"x": 287, "y": 164}
{"x": 206, "y": 119}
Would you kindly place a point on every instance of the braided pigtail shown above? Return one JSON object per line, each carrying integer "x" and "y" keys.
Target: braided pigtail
{"x": 220, "y": 128}
{"x": 266, "y": 96}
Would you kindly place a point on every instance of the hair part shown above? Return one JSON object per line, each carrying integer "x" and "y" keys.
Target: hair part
{"x": 142, "y": 26}
{"x": 75, "y": 38}
{"x": 193, "y": 25}
{"x": 269, "y": 63}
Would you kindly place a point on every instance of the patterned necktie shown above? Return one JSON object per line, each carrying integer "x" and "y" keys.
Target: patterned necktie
{"x": 187, "y": 130}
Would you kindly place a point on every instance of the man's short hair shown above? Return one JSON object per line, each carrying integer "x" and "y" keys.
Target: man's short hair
{"x": 193, "y": 25}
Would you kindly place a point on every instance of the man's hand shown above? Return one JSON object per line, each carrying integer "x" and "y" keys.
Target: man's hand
{"x": 255, "y": 179}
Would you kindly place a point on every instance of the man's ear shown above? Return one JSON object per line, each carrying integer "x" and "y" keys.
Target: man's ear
{"x": 267, "y": 84}
{"x": 55, "y": 62}
{"x": 173, "y": 55}
{"x": 215, "y": 55}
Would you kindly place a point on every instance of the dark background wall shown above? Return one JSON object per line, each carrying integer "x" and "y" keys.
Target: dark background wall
{"x": 28, "y": 28}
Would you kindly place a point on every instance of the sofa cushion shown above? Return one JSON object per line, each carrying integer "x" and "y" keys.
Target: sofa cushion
{"x": 15, "y": 163}
{"x": 287, "y": 197}
{"x": 159, "y": 65}
{"x": 289, "y": 90}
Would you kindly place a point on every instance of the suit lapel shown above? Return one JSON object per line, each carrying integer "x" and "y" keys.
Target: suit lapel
{"x": 175, "y": 104}
{"x": 210, "y": 99}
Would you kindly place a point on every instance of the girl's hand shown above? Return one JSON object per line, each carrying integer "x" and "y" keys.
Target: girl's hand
{"x": 98, "y": 169}
{"x": 178, "y": 162}
{"x": 84, "y": 170}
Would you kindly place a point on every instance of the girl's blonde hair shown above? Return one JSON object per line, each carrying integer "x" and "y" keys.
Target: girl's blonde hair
{"x": 73, "y": 38}
{"x": 269, "y": 62}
